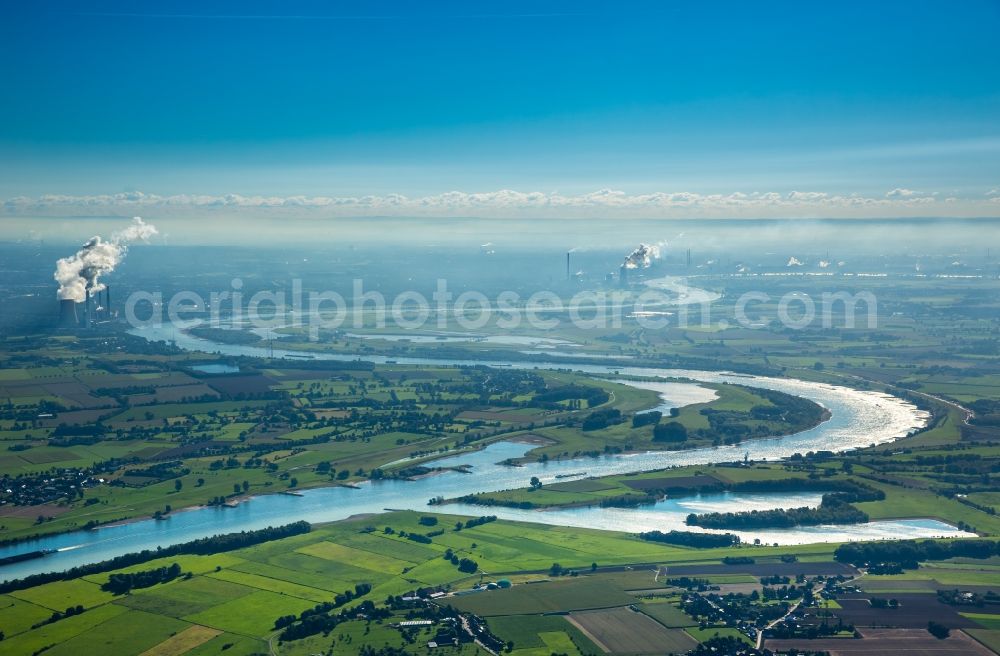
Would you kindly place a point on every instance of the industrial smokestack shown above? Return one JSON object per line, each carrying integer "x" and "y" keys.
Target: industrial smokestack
{"x": 107, "y": 302}
{"x": 569, "y": 275}
{"x": 67, "y": 314}
{"x": 623, "y": 276}
{"x": 88, "y": 309}
{"x": 689, "y": 258}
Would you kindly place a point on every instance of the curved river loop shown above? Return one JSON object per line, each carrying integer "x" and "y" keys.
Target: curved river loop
{"x": 857, "y": 419}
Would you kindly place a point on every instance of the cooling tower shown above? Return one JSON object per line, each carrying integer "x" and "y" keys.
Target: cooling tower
{"x": 67, "y": 314}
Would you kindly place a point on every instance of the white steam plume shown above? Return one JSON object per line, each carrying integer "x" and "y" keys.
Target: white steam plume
{"x": 82, "y": 271}
{"x": 794, "y": 261}
{"x": 642, "y": 256}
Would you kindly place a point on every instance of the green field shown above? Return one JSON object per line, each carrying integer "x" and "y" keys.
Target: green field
{"x": 234, "y": 598}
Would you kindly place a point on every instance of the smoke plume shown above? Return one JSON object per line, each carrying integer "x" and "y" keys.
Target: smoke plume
{"x": 642, "y": 256}
{"x": 82, "y": 271}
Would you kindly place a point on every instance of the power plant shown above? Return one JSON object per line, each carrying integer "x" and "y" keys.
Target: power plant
{"x": 96, "y": 309}
{"x": 79, "y": 275}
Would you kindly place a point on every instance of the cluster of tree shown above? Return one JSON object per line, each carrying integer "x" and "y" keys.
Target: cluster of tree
{"x": 629, "y": 501}
{"x": 466, "y": 565}
{"x": 832, "y": 510}
{"x": 845, "y": 490}
{"x": 646, "y": 418}
{"x": 732, "y": 426}
{"x": 880, "y": 602}
{"x": 201, "y": 546}
{"x": 476, "y": 521}
{"x": 956, "y": 597}
{"x": 791, "y": 631}
{"x": 688, "y": 583}
{"x": 670, "y": 432}
{"x": 559, "y": 570}
{"x": 416, "y": 537}
{"x": 79, "y": 430}
{"x": 939, "y": 631}
{"x": 777, "y": 593}
{"x": 691, "y": 539}
{"x": 160, "y": 471}
{"x": 738, "y": 560}
{"x": 347, "y": 596}
{"x": 987, "y": 412}
{"x": 120, "y": 584}
{"x": 368, "y": 650}
{"x": 602, "y": 419}
{"x": 225, "y": 335}
{"x": 76, "y": 440}
{"x": 907, "y": 554}
{"x": 594, "y": 396}
{"x": 313, "y": 623}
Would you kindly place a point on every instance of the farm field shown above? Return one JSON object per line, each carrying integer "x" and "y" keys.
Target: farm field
{"x": 625, "y": 631}
{"x": 612, "y": 593}
{"x": 888, "y": 642}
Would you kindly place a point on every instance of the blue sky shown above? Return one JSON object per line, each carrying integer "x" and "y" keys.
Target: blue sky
{"x": 347, "y": 100}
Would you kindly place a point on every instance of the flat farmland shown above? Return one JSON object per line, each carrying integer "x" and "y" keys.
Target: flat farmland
{"x": 185, "y": 597}
{"x": 668, "y": 482}
{"x": 624, "y": 631}
{"x": 183, "y": 642}
{"x": 30, "y": 642}
{"x": 272, "y": 584}
{"x": 137, "y": 629}
{"x": 535, "y": 634}
{"x": 17, "y": 615}
{"x": 913, "y": 613}
{"x": 252, "y": 615}
{"x": 571, "y": 594}
{"x": 581, "y": 485}
{"x": 889, "y": 642}
{"x": 365, "y": 559}
{"x": 666, "y": 614}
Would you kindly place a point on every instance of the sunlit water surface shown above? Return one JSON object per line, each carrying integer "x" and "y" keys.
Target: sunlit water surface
{"x": 858, "y": 419}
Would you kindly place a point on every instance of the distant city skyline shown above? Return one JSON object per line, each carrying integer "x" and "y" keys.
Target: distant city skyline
{"x": 501, "y": 109}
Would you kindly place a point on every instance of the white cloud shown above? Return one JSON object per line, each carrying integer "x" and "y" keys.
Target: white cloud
{"x": 602, "y": 203}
